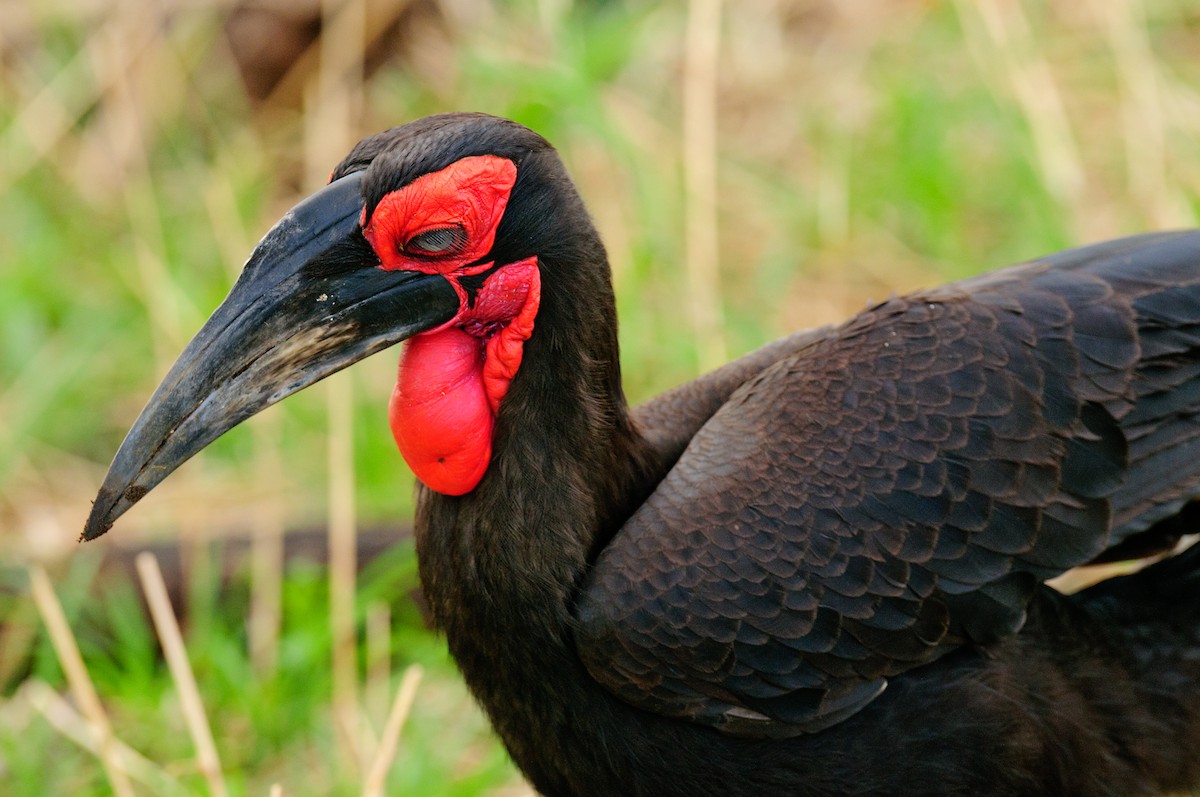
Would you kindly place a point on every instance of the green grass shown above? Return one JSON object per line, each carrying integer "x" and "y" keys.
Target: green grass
{"x": 860, "y": 151}
{"x": 269, "y": 728}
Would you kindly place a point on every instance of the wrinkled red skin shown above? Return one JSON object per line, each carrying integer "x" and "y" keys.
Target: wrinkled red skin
{"x": 452, "y": 379}
{"x": 472, "y": 192}
{"x": 439, "y": 410}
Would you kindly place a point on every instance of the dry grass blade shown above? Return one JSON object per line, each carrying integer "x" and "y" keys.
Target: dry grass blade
{"x": 700, "y": 179}
{"x": 1144, "y": 118}
{"x": 266, "y": 560}
{"x": 379, "y": 661}
{"x": 125, "y": 128}
{"x": 181, "y": 672}
{"x": 1031, "y": 80}
{"x": 342, "y": 563}
{"x": 391, "y": 732}
{"x": 78, "y": 679}
{"x": 49, "y": 116}
{"x": 67, "y": 721}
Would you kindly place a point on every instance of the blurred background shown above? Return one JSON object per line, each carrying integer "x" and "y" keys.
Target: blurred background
{"x": 754, "y": 168}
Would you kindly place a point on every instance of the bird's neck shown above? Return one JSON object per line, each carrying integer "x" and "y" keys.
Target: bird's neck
{"x": 500, "y": 566}
{"x": 566, "y": 457}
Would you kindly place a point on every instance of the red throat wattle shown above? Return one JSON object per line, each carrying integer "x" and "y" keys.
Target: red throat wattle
{"x": 452, "y": 379}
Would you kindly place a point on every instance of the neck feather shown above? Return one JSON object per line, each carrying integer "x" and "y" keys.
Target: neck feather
{"x": 501, "y": 565}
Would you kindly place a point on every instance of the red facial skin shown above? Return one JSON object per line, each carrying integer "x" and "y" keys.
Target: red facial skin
{"x": 452, "y": 379}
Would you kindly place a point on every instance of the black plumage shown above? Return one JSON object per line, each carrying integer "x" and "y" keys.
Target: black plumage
{"x": 817, "y": 570}
{"x": 990, "y": 452}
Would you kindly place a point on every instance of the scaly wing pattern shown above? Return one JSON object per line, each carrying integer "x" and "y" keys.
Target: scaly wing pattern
{"x": 897, "y": 487}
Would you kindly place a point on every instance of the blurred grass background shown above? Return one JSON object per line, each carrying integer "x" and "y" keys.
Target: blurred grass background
{"x": 754, "y": 169}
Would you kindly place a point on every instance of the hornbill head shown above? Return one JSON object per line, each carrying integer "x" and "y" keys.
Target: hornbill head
{"x": 435, "y": 232}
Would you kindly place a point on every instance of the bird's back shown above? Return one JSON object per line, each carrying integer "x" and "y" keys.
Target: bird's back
{"x": 875, "y": 496}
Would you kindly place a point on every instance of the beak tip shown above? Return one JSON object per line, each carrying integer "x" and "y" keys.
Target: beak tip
{"x": 93, "y": 530}
{"x": 108, "y": 506}
{"x": 95, "y": 526}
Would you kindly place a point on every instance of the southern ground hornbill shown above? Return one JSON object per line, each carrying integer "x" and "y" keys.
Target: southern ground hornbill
{"x": 815, "y": 571}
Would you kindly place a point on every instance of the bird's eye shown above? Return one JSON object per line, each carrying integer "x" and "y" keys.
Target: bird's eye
{"x": 437, "y": 241}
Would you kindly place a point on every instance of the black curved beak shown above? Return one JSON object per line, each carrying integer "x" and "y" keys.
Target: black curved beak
{"x": 309, "y": 302}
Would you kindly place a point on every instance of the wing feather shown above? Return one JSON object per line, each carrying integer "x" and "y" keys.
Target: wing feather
{"x": 886, "y": 491}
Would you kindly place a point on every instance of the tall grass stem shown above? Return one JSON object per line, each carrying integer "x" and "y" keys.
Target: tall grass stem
{"x": 82, "y": 688}
{"x": 181, "y": 672}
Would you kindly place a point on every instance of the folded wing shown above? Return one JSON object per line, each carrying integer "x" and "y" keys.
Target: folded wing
{"x": 897, "y": 487}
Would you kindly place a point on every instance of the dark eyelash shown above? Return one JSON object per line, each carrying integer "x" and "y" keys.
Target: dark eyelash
{"x": 438, "y": 241}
